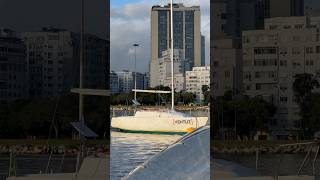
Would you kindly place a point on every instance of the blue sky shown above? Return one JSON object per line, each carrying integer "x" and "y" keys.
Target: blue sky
{"x": 120, "y": 2}
{"x": 130, "y": 23}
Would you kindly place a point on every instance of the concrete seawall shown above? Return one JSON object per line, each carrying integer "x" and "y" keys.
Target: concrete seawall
{"x": 263, "y": 148}
{"x": 57, "y": 149}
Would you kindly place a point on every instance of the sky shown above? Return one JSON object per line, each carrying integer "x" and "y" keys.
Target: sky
{"x": 130, "y": 23}
{"x": 32, "y": 15}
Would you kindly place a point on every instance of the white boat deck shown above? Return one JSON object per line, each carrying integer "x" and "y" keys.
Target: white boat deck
{"x": 91, "y": 169}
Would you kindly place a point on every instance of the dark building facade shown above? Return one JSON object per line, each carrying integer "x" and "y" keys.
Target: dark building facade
{"x": 53, "y": 61}
{"x": 231, "y": 17}
{"x": 13, "y": 67}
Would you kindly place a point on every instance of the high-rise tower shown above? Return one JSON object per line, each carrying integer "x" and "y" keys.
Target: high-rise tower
{"x": 187, "y": 35}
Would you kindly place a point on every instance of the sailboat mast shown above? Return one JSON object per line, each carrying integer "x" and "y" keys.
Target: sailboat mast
{"x": 135, "y": 70}
{"x": 172, "y": 69}
{"x": 81, "y": 64}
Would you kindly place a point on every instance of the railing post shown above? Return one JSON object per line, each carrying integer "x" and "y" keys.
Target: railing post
{"x": 257, "y": 159}
{"x": 12, "y": 165}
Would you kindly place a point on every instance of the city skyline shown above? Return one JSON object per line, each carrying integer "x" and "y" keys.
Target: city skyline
{"x": 134, "y": 19}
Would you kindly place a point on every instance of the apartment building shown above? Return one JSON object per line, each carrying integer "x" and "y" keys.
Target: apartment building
{"x": 273, "y": 56}
{"x": 127, "y": 81}
{"x": 180, "y": 65}
{"x": 227, "y": 66}
{"x": 196, "y": 79}
{"x": 114, "y": 82}
{"x": 53, "y": 61}
{"x": 179, "y": 81}
{"x": 13, "y": 67}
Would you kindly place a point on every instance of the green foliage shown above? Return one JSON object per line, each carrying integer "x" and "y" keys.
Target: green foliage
{"x": 252, "y": 114}
{"x": 308, "y": 102}
{"x": 311, "y": 113}
{"x": 206, "y": 93}
{"x": 121, "y": 99}
{"x": 303, "y": 86}
{"x": 38, "y": 117}
{"x": 152, "y": 99}
{"x": 184, "y": 97}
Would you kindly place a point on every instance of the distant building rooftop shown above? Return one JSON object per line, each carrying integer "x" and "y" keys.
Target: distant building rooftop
{"x": 4, "y": 32}
{"x": 52, "y": 29}
{"x": 175, "y": 5}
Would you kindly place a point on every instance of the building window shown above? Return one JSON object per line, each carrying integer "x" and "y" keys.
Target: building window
{"x": 286, "y": 27}
{"x": 309, "y": 62}
{"x": 247, "y": 75}
{"x": 50, "y": 55}
{"x": 317, "y": 49}
{"x": 309, "y": 50}
{"x": 284, "y": 100}
{"x": 53, "y": 37}
{"x": 298, "y": 26}
{"x": 273, "y": 27}
{"x": 296, "y": 38}
{"x": 257, "y": 75}
{"x": 272, "y": 75}
{"x": 283, "y": 87}
{"x": 267, "y": 50}
{"x": 227, "y": 74}
{"x": 296, "y": 50}
{"x": 247, "y": 40}
{"x": 265, "y": 62}
{"x": 223, "y": 16}
{"x": 283, "y": 62}
{"x": 258, "y": 87}
{"x": 295, "y": 64}
{"x": 283, "y": 51}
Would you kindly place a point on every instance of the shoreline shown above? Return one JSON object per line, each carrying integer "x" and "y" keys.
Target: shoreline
{"x": 250, "y": 147}
{"x": 179, "y": 108}
{"x": 57, "y": 147}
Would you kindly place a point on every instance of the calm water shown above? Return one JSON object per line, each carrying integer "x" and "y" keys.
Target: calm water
{"x": 34, "y": 164}
{"x": 268, "y": 163}
{"x": 130, "y": 150}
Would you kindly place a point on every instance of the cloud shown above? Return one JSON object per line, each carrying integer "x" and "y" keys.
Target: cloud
{"x": 130, "y": 23}
{"x": 136, "y": 10}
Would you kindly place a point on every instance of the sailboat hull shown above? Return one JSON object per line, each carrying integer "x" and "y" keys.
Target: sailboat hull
{"x": 160, "y": 123}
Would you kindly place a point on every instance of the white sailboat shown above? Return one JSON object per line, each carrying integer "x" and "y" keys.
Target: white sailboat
{"x": 160, "y": 121}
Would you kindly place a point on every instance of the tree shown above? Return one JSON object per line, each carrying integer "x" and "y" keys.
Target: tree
{"x": 206, "y": 93}
{"x": 303, "y": 86}
{"x": 311, "y": 116}
{"x": 253, "y": 114}
{"x": 184, "y": 97}
{"x": 38, "y": 117}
